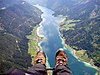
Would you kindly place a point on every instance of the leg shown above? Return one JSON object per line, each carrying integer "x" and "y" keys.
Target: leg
{"x": 14, "y": 71}
{"x": 39, "y": 67}
{"x": 62, "y": 70}
{"x": 61, "y": 64}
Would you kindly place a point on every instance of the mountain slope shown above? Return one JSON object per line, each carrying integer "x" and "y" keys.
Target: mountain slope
{"x": 17, "y": 19}
{"x": 85, "y": 34}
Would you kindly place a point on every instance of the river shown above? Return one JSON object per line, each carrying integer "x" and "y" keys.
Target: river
{"x": 49, "y": 29}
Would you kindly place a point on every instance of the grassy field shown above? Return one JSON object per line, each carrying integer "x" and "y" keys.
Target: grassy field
{"x": 82, "y": 55}
{"x": 68, "y": 24}
{"x": 34, "y": 39}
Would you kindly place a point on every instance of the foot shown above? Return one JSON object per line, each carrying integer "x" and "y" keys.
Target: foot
{"x": 40, "y": 58}
{"x": 61, "y": 58}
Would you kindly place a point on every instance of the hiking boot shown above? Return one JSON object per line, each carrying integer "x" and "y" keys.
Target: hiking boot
{"x": 61, "y": 58}
{"x": 40, "y": 58}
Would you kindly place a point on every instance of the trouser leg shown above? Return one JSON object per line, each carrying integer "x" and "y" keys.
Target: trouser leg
{"x": 62, "y": 70}
{"x": 14, "y": 71}
{"x": 38, "y": 69}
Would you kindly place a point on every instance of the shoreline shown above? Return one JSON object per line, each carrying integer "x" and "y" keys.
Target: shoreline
{"x": 42, "y": 36}
{"x": 33, "y": 43}
{"x": 39, "y": 32}
{"x": 73, "y": 51}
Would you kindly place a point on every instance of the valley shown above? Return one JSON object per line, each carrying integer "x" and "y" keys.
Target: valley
{"x": 25, "y": 28}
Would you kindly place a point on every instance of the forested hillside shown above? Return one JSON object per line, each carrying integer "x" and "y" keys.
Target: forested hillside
{"x": 17, "y": 20}
{"x": 84, "y": 33}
